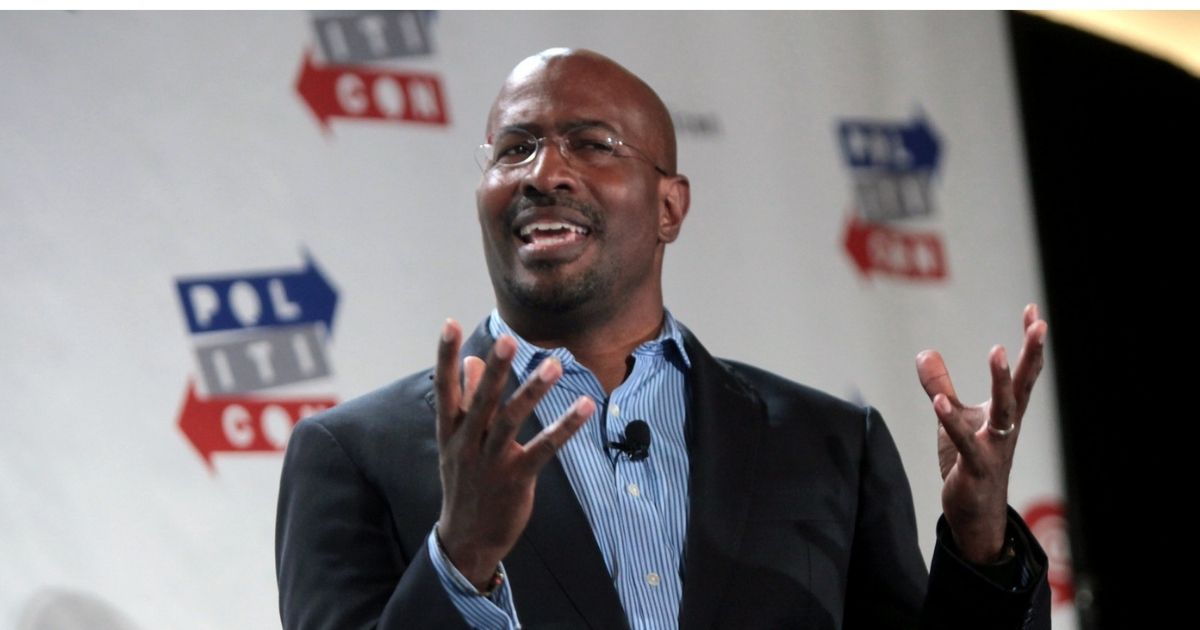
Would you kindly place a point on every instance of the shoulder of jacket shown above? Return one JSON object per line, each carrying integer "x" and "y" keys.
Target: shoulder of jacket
{"x": 780, "y": 393}
{"x": 403, "y": 405}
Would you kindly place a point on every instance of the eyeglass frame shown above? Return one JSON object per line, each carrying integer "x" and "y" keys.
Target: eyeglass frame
{"x": 485, "y": 162}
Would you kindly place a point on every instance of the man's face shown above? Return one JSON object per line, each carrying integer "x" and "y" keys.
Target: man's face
{"x": 559, "y": 234}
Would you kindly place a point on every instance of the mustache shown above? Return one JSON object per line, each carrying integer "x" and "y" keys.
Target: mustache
{"x": 594, "y": 218}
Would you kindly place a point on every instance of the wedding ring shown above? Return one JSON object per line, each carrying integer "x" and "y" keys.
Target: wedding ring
{"x": 1001, "y": 432}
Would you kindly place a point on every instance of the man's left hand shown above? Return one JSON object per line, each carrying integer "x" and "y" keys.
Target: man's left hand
{"x": 976, "y": 443}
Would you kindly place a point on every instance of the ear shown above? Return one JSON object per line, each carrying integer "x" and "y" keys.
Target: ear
{"x": 675, "y": 195}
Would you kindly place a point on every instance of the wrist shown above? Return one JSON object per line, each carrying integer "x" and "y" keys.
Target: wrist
{"x": 982, "y": 545}
{"x": 483, "y": 574}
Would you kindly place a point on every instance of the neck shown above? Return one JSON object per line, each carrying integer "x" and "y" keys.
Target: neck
{"x": 602, "y": 342}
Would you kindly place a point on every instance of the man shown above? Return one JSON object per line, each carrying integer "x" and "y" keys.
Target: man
{"x": 762, "y": 503}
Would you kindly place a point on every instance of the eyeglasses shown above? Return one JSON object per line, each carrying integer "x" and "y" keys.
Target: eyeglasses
{"x": 590, "y": 146}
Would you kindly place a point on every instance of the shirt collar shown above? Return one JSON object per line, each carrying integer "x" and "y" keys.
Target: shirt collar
{"x": 669, "y": 343}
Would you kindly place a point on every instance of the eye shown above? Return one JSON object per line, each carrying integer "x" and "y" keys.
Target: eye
{"x": 513, "y": 148}
{"x": 589, "y": 141}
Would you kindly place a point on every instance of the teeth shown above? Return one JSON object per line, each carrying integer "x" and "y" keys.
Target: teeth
{"x": 548, "y": 226}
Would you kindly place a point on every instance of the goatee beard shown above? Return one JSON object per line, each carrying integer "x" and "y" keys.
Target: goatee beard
{"x": 566, "y": 296}
{"x": 559, "y": 298}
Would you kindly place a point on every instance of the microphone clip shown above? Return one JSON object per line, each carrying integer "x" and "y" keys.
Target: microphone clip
{"x": 636, "y": 442}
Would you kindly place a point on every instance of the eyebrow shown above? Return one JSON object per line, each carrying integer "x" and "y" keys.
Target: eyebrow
{"x": 563, "y": 127}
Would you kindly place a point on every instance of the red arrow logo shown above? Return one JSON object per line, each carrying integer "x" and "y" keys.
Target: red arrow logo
{"x": 236, "y": 424}
{"x": 1047, "y": 519}
{"x": 878, "y": 249}
{"x": 369, "y": 93}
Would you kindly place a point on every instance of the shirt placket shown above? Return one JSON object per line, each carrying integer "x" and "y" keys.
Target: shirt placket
{"x": 648, "y": 575}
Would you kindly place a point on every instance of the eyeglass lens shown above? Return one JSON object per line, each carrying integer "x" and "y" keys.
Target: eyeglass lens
{"x": 586, "y": 145}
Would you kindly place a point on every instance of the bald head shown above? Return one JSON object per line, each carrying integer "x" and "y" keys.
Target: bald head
{"x": 568, "y": 75}
{"x": 574, "y": 240}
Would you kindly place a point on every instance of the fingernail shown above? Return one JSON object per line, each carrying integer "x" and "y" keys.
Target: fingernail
{"x": 548, "y": 370}
{"x": 584, "y": 406}
{"x": 505, "y": 347}
{"x": 1042, "y": 336}
{"x": 448, "y": 330}
{"x": 943, "y": 405}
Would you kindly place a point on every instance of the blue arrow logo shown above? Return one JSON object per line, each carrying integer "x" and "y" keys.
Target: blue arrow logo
{"x": 236, "y": 302}
{"x": 894, "y": 147}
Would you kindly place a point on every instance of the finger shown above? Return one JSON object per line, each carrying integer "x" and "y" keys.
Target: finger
{"x": 508, "y": 420}
{"x": 491, "y": 385}
{"x": 1029, "y": 363}
{"x": 1030, "y": 315}
{"x": 472, "y": 372}
{"x": 934, "y": 376}
{"x": 544, "y": 445}
{"x": 958, "y": 428}
{"x": 445, "y": 380}
{"x": 1002, "y": 413}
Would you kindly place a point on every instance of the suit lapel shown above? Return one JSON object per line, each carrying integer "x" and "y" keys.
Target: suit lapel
{"x": 725, "y": 426}
{"x": 558, "y": 531}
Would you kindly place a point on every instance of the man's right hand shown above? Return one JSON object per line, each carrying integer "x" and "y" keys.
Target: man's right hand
{"x": 488, "y": 479}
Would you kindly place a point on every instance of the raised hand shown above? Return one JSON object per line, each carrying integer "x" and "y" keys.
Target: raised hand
{"x": 976, "y": 443}
{"x": 488, "y": 479}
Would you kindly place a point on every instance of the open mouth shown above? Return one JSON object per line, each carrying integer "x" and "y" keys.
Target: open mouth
{"x": 551, "y": 233}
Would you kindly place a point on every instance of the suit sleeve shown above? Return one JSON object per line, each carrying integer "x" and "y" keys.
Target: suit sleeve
{"x": 887, "y": 576}
{"x": 993, "y": 601}
{"x": 887, "y": 582}
{"x": 338, "y": 562}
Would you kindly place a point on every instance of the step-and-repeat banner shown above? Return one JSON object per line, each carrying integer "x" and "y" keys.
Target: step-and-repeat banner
{"x": 215, "y": 224}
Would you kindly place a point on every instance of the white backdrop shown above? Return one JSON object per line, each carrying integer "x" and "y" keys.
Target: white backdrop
{"x": 147, "y": 154}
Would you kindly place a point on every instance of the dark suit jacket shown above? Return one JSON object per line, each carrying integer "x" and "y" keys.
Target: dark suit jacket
{"x": 800, "y": 517}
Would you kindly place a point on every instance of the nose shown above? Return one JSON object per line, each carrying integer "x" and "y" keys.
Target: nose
{"x": 550, "y": 171}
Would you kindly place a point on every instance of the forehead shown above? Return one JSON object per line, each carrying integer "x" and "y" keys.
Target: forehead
{"x": 561, "y": 93}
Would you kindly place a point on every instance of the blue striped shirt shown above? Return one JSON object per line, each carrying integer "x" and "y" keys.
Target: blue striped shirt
{"x": 637, "y": 510}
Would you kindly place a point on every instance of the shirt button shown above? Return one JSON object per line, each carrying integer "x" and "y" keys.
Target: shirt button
{"x": 633, "y": 490}
{"x": 614, "y": 410}
{"x": 652, "y": 579}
